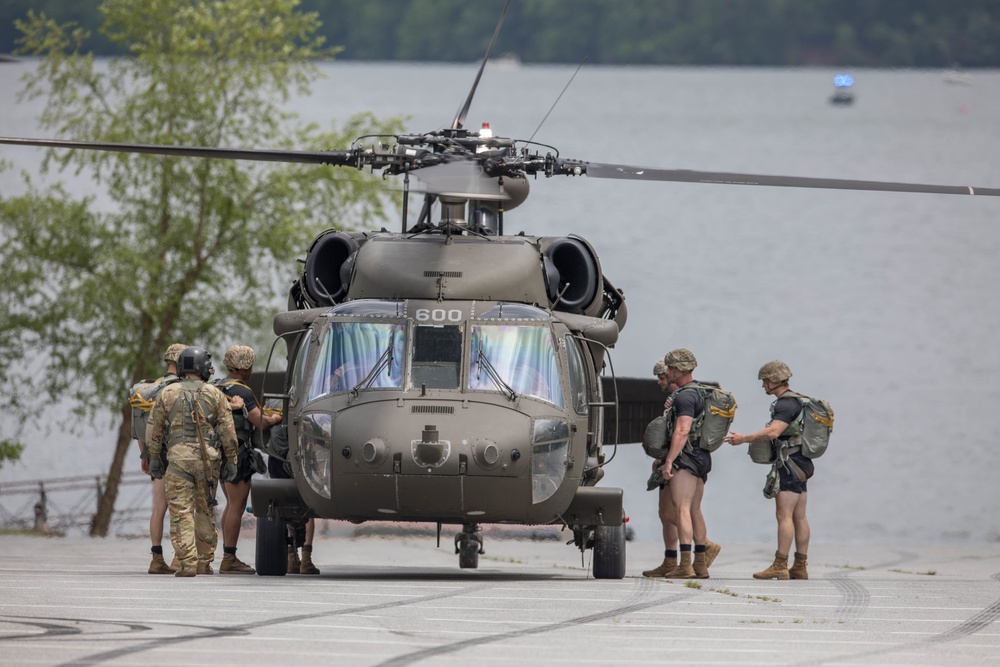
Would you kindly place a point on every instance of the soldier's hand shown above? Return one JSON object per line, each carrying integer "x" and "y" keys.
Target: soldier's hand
{"x": 156, "y": 468}
{"x": 144, "y": 464}
{"x": 228, "y": 473}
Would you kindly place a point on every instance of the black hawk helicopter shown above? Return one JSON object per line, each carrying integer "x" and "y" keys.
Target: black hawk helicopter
{"x": 451, "y": 373}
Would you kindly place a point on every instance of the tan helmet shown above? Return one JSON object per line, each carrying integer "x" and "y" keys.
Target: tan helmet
{"x": 239, "y": 357}
{"x": 774, "y": 371}
{"x": 659, "y": 368}
{"x": 174, "y": 351}
{"x": 681, "y": 359}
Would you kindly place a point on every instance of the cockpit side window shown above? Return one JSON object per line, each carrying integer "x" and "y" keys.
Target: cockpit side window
{"x": 299, "y": 369}
{"x": 577, "y": 376}
{"x": 521, "y": 357}
{"x": 356, "y": 353}
{"x": 437, "y": 356}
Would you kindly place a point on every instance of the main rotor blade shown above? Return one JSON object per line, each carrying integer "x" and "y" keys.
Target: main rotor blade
{"x": 626, "y": 172}
{"x": 340, "y": 157}
{"x": 459, "y": 121}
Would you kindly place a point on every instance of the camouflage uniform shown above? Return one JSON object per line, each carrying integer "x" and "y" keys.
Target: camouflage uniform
{"x": 192, "y": 523}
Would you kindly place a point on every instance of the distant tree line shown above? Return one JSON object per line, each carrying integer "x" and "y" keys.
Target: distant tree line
{"x": 876, "y": 33}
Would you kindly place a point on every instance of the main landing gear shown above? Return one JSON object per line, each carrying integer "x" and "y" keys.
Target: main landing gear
{"x": 468, "y": 546}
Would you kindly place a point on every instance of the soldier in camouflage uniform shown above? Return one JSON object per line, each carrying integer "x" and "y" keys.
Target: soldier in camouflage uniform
{"x": 192, "y": 419}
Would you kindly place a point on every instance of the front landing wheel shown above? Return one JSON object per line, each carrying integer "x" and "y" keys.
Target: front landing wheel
{"x": 609, "y": 552}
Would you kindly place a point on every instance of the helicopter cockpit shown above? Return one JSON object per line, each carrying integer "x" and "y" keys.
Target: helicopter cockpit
{"x": 509, "y": 349}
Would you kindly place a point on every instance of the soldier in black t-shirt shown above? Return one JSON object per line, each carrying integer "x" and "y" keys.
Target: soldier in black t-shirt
{"x": 239, "y": 361}
{"x": 793, "y": 469}
{"x": 687, "y": 466}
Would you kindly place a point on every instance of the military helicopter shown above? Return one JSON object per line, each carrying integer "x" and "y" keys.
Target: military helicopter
{"x": 451, "y": 373}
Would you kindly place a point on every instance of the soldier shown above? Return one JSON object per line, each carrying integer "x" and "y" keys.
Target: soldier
{"x": 667, "y": 511}
{"x": 239, "y": 361}
{"x": 794, "y": 470}
{"x": 300, "y": 533}
{"x": 158, "y": 565}
{"x": 686, "y": 467}
{"x": 191, "y": 419}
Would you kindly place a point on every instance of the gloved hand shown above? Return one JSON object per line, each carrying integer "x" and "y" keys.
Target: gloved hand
{"x": 228, "y": 473}
{"x": 156, "y": 468}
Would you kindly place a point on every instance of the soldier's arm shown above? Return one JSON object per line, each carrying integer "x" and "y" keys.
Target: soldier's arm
{"x": 154, "y": 428}
{"x": 768, "y": 433}
{"x": 681, "y": 430}
{"x": 226, "y": 431}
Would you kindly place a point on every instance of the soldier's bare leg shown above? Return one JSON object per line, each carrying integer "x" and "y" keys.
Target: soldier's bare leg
{"x": 159, "y": 512}
{"x": 668, "y": 517}
{"x": 784, "y": 505}
{"x": 698, "y": 527}
{"x": 232, "y": 516}
{"x": 683, "y": 487}
{"x": 801, "y": 524}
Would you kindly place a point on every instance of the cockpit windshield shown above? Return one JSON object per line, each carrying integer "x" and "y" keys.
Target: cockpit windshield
{"x": 369, "y": 354}
{"x": 522, "y": 358}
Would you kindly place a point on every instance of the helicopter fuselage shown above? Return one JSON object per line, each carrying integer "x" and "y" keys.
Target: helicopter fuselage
{"x": 443, "y": 386}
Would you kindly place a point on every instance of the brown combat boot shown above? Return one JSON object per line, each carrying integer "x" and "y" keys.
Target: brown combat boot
{"x": 700, "y": 565}
{"x": 175, "y": 563}
{"x": 778, "y": 569}
{"x": 159, "y": 566}
{"x": 294, "y": 565}
{"x": 667, "y": 565}
{"x": 711, "y": 551}
{"x": 683, "y": 569}
{"x": 798, "y": 569}
{"x": 233, "y": 565}
{"x": 185, "y": 572}
{"x": 306, "y": 566}
{"x": 204, "y": 567}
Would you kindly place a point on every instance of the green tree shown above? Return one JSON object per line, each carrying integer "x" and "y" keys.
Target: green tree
{"x": 10, "y": 451}
{"x": 189, "y": 249}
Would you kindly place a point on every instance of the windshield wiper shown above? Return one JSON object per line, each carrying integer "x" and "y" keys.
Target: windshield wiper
{"x": 491, "y": 372}
{"x": 384, "y": 361}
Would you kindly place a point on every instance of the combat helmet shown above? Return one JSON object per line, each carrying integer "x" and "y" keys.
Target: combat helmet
{"x": 170, "y": 356}
{"x": 774, "y": 371}
{"x": 195, "y": 360}
{"x": 239, "y": 357}
{"x": 659, "y": 368}
{"x": 681, "y": 359}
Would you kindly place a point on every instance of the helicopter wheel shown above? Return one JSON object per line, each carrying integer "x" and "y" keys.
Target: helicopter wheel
{"x": 609, "y": 552}
{"x": 272, "y": 547}
{"x": 468, "y": 546}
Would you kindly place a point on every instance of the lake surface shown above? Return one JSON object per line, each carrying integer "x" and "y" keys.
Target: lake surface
{"x": 884, "y": 304}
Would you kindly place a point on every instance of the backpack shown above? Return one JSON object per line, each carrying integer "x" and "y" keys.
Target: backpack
{"x": 816, "y": 421}
{"x": 713, "y": 424}
{"x": 141, "y": 397}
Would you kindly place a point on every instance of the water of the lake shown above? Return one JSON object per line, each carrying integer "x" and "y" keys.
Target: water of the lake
{"x": 884, "y": 304}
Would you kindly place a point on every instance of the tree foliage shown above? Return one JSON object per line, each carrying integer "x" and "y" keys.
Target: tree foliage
{"x": 882, "y": 33}
{"x": 188, "y": 249}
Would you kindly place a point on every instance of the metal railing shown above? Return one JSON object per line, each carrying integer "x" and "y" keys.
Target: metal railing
{"x": 61, "y": 505}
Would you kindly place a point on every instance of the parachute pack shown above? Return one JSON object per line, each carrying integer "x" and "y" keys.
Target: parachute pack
{"x": 141, "y": 397}
{"x": 720, "y": 408}
{"x": 709, "y": 428}
{"x": 655, "y": 441}
{"x": 816, "y": 421}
